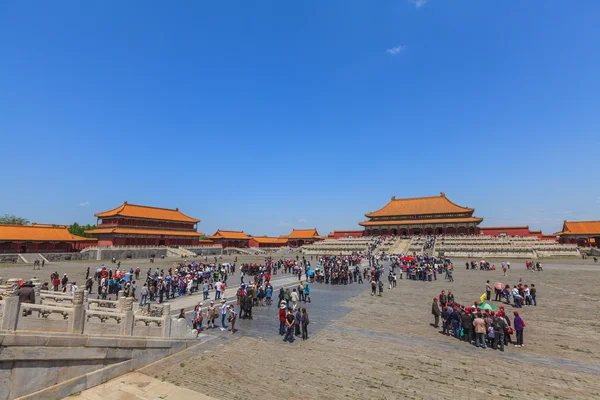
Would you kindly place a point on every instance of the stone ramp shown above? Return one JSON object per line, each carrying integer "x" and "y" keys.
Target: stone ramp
{"x": 138, "y": 386}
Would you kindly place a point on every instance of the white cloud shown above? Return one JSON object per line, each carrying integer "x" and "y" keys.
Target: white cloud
{"x": 396, "y": 50}
{"x": 301, "y": 221}
{"x": 419, "y": 3}
{"x": 84, "y": 204}
{"x": 283, "y": 224}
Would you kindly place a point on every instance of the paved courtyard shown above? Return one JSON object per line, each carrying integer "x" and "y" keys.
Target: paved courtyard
{"x": 384, "y": 348}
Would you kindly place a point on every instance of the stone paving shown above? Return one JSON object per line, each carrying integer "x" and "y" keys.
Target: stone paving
{"x": 384, "y": 348}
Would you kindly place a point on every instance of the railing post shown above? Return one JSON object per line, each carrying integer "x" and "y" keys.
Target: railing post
{"x": 37, "y": 290}
{"x": 11, "y": 306}
{"x": 166, "y": 324}
{"x": 77, "y": 319}
{"x": 128, "y": 322}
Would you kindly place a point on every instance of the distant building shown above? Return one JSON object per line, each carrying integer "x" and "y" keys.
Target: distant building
{"x": 135, "y": 225}
{"x": 268, "y": 242}
{"x": 345, "y": 234}
{"x": 40, "y": 238}
{"x": 300, "y": 237}
{"x": 231, "y": 238}
{"x": 581, "y": 233}
{"x": 522, "y": 231}
{"x": 435, "y": 215}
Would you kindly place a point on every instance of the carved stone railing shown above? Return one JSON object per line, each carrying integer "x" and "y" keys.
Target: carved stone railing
{"x": 86, "y": 316}
{"x": 103, "y": 316}
{"x": 56, "y": 298}
{"x": 45, "y": 310}
{"x": 158, "y": 322}
{"x": 104, "y": 305}
{"x": 154, "y": 310}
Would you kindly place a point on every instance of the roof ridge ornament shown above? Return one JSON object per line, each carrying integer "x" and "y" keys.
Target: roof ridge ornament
{"x": 442, "y": 194}
{"x": 393, "y": 197}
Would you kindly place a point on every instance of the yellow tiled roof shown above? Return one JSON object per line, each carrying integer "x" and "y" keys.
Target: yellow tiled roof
{"x": 419, "y": 206}
{"x": 39, "y": 232}
{"x": 146, "y": 212}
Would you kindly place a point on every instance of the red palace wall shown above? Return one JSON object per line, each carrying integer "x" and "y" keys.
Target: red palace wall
{"x": 508, "y": 231}
{"x": 343, "y": 234}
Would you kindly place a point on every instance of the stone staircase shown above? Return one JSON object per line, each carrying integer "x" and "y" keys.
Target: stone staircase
{"x": 29, "y": 258}
{"x": 236, "y": 250}
{"x": 180, "y": 252}
{"x": 400, "y": 247}
{"x": 257, "y": 250}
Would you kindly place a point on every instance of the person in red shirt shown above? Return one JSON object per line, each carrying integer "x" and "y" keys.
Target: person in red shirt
{"x": 282, "y": 315}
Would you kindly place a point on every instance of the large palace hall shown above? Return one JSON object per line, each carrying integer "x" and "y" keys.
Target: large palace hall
{"x": 435, "y": 215}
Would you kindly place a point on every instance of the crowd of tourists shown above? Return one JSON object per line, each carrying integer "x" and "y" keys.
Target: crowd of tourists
{"x": 421, "y": 268}
{"x": 475, "y": 325}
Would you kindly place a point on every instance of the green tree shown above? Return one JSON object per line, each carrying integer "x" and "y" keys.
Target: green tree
{"x": 10, "y": 219}
{"x": 79, "y": 230}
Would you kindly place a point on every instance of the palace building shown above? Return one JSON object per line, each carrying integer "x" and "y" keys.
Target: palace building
{"x": 300, "y": 237}
{"x": 435, "y": 215}
{"x": 135, "y": 225}
{"x": 268, "y": 242}
{"x": 581, "y": 233}
{"x": 231, "y": 239}
{"x": 40, "y": 238}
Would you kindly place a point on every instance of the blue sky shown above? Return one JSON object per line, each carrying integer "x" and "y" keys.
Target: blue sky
{"x": 269, "y": 115}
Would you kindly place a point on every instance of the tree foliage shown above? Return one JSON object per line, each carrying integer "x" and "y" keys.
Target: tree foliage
{"x": 79, "y": 230}
{"x": 10, "y": 219}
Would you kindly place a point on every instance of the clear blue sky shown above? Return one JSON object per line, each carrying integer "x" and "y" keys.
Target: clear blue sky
{"x": 268, "y": 115}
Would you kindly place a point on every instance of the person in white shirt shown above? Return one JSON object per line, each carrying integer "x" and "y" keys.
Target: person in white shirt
{"x": 223, "y": 314}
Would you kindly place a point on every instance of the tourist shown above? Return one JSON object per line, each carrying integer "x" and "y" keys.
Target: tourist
{"x": 519, "y": 327}
{"x": 467, "y": 325}
{"x": 488, "y": 291}
{"x": 532, "y": 293}
{"x": 232, "y": 318}
{"x": 435, "y": 311}
{"x": 205, "y": 290}
{"x": 304, "y": 322}
{"x": 297, "y": 322}
{"x": 443, "y": 299}
{"x": 144, "y": 295}
{"x": 289, "y": 325}
{"x": 181, "y": 314}
{"x": 373, "y": 287}
{"x": 446, "y": 321}
{"x": 450, "y": 297}
{"x": 480, "y": 331}
{"x": 26, "y": 293}
{"x": 282, "y": 318}
{"x": 223, "y": 314}
{"x": 268, "y": 293}
{"x": 455, "y": 320}
{"x": 287, "y": 296}
{"x": 301, "y": 292}
{"x": 306, "y": 293}
{"x": 380, "y": 284}
{"x": 64, "y": 281}
{"x": 294, "y": 299}
{"x": 211, "y": 315}
{"x": 198, "y": 317}
{"x": 500, "y": 328}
